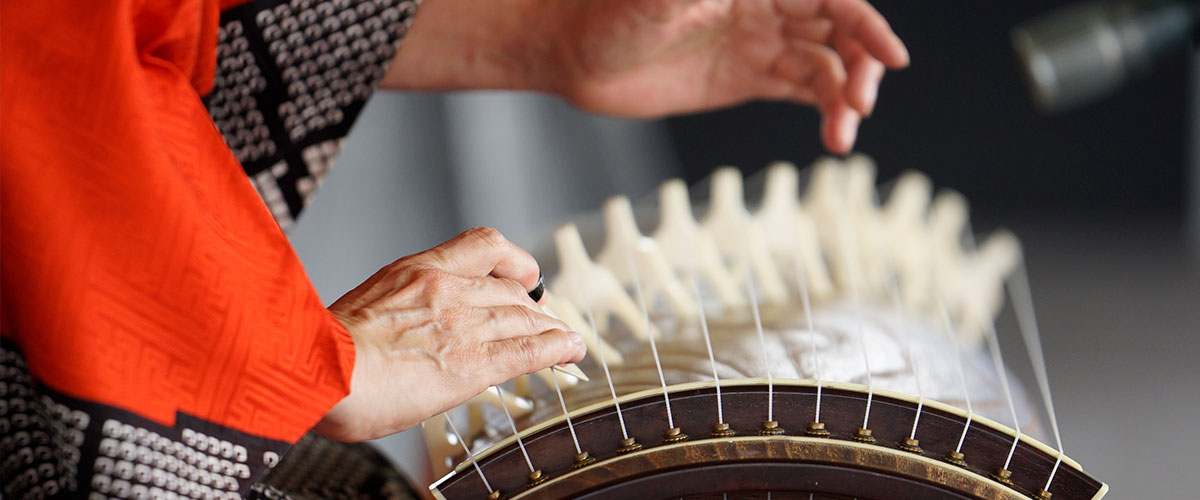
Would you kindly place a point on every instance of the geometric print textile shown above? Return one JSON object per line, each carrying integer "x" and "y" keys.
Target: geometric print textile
{"x": 291, "y": 77}
{"x": 50, "y": 443}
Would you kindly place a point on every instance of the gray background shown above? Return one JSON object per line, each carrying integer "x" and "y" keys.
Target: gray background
{"x": 1117, "y": 293}
{"x": 1098, "y": 197}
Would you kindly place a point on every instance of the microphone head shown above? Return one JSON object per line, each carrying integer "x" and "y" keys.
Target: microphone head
{"x": 1084, "y": 51}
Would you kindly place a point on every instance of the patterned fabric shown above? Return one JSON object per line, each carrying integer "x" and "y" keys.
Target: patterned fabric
{"x": 158, "y": 336}
{"x": 50, "y": 442}
{"x": 320, "y": 469}
{"x": 291, "y": 78}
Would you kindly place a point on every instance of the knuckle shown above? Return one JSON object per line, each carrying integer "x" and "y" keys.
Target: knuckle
{"x": 528, "y": 318}
{"x": 433, "y": 279}
{"x": 495, "y": 316}
{"x": 489, "y": 236}
{"x": 453, "y": 317}
{"x": 515, "y": 288}
{"x": 528, "y": 353}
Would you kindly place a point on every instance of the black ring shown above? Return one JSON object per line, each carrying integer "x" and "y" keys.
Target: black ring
{"x": 539, "y": 290}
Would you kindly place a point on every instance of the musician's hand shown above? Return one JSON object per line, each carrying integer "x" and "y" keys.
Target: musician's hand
{"x": 434, "y": 329}
{"x": 646, "y": 58}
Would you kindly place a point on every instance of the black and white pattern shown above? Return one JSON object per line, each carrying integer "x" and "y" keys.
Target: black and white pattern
{"x": 320, "y": 469}
{"x": 53, "y": 445}
{"x": 40, "y": 440}
{"x": 292, "y": 75}
{"x": 232, "y": 104}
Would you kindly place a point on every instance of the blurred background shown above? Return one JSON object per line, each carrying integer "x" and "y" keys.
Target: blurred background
{"x": 1101, "y": 195}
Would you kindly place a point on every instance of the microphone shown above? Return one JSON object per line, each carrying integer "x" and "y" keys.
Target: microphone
{"x": 1081, "y": 52}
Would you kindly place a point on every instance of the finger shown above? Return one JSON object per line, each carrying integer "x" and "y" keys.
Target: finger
{"x": 777, "y": 88}
{"x": 506, "y": 322}
{"x": 839, "y": 128}
{"x": 481, "y": 251}
{"x": 490, "y": 292}
{"x": 530, "y": 353}
{"x": 816, "y": 69}
{"x": 816, "y": 30}
{"x": 863, "y": 74}
{"x": 862, "y": 22}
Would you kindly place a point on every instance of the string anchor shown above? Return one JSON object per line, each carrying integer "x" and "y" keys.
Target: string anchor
{"x": 863, "y": 435}
{"x": 674, "y": 435}
{"x": 911, "y": 445}
{"x": 722, "y": 430}
{"x": 816, "y": 429}
{"x": 1042, "y": 495}
{"x": 956, "y": 458}
{"x": 583, "y": 459}
{"x": 629, "y": 445}
{"x": 536, "y": 477}
{"x": 495, "y": 495}
{"x": 770, "y": 428}
{"x": 1002, "y": 476}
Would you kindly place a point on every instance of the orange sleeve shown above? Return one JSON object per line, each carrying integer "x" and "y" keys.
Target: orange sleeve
{"x": 140, "y": 268}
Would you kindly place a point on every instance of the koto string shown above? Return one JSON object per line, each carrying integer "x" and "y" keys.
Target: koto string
{"x": 962, "y": 378}
{"x": 587, "y": 309}
{"x": 641, "y": 296}
{"x": 762, "y": 340}
{"x": 470, "y": 456}
{"x": 567, "y": 415}
{"x": 852, "y": 277}
{"x": 516, "y": 434}
{"x": 998, "y": 363}
{"x": 712, "y": 360}
{"x": 802, "y": 280}
{"x": 707, "y": 341}
{"x": 1022, "y": 300}
{"x": 894, "y": 289}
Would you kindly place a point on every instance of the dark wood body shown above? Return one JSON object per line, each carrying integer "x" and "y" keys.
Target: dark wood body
{"x": 745, "y": 409}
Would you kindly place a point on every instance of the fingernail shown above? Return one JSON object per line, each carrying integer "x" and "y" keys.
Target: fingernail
{"x": 849, "y": 132}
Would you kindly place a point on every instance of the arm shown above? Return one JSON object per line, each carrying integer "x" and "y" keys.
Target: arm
{"x": 648, "y": 58}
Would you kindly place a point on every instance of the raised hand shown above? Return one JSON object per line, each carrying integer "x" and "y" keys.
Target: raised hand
{"x": 434, "y": 329}
{"x": 647, "y": 58}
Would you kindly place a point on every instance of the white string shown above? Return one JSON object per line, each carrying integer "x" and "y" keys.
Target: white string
{"x": 641, "y": 296}
{"x": 561, "y": 401}
{"x": 587, "y": 309}
{"x": 962, "y": 378}
{"x": 802, "y": 279}
{"x": 851, "y": 250}
{"x": 762, "y": 341}
{"x": 470, "y": 456}
{"x": 712, "y": 360}
{"x": 708, "y": 344}
{"x": 998, "y": 362}
{"x": 513, "y": 424}
{"x": 908, "y": 353}
{"x": 1022, "y": 300}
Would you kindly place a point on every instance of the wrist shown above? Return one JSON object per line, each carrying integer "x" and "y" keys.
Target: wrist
{"x": 465, "y": 45}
